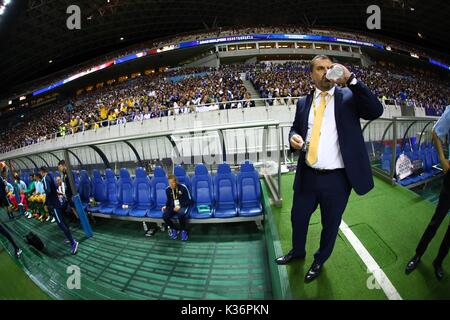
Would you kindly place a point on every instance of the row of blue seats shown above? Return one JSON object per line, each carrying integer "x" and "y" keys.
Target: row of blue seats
{"x": 227, "y": 195}
{"x": 427, "y": 153}
{"x": 25, "y": 175}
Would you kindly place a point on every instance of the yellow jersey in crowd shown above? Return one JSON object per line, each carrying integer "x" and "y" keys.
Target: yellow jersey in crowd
{"x": 103, "y": 113}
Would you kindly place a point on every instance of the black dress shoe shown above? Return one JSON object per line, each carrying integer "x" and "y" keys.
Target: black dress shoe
{"x": 287, "y": 258}
{"x": 438, "y": 271}
{"x": 313, "y": 272}
{"x": 412, "y": 264}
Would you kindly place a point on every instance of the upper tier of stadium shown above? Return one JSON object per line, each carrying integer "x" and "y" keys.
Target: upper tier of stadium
{"x": 226, "y": 35}
{"x": 37, "y": 31}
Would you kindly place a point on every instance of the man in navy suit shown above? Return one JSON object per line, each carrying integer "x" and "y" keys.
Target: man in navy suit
{"x": 333, "y": 157}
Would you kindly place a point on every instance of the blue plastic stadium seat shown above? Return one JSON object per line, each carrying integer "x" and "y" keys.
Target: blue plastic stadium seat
{"x": 25, "y": 177}
{"x": 57, "y": 175}
{"x": 84, "y": 188}
{"x": 397, "y": 150}
{"x": 124, "y": 193}
{"x": 225, "y": 192}
{"x": 98, "y": 191}
{"x": 407, "y": 181}
{"x": 159, "y": 183}
{"x": 434, "y": 159}
{"x": 249, "y": 191}
{"x": 426, "y": 157}
{"x": 111, "y": 193}
{"x": 182, "y": 177}
{"x": 202, "y": 192}
{"x": 407, "y": 150}
{"x": 386, "y": 159}
{"x": 142, "y": 194}
{"x": 76, "y": 178}
{"x": 434, "y": 155}
{"x": 415, "y": 155}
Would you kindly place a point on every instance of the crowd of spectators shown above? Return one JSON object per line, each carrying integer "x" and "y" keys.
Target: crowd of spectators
{"x": 201, "y": 89}
{"x": 280, "y": 82}
{"x": 145, "y": 97}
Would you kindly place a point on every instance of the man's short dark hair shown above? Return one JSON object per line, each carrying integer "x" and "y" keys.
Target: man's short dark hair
{"x": 61, "y": 163}
{"x": 172, "y": 176}
{"x": 318, "y": 57}
{"x": 43, "y": 169}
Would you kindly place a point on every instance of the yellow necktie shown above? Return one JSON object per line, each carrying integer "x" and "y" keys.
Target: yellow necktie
{"x": 313, "y": 148}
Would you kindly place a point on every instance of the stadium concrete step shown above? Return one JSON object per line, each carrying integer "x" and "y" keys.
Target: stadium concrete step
{"x": 255, "y": 95}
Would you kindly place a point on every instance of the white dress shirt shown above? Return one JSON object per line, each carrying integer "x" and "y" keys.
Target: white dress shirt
{"x": 329, "y": 154}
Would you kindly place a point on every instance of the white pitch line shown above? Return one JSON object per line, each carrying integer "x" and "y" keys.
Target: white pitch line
{"x": 372, "y": 265}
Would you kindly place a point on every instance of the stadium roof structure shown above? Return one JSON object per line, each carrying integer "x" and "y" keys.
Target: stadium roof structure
{"x": 36, "y": 42}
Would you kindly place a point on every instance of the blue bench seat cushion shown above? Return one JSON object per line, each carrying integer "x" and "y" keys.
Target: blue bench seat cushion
{"x": 254, "y": 209}
{"x": 111, "y": 193}
{"x": 142, "y": 194}
{"x": 249, "y": 191}
{"x": 202, "y": 192}
{"x": 225, "y": 192}
{"x": 94, "y": 209}
{"x": 155, "y": 212}
{"x": 125, "y": 193}
{"x": 159, "y": 183}
{"x": 194, "y": 214}
{"x": 107, "y": 208}
{"x": 139, "y": 211}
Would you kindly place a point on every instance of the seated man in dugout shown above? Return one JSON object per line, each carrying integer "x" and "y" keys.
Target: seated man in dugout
{"x": 178, "y": 202}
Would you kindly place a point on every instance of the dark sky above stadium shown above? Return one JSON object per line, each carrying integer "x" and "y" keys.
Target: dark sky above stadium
{"x": 33, "y": 32}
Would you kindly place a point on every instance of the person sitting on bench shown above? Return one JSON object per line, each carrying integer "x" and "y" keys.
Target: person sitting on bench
{"x": 178, "y": 202}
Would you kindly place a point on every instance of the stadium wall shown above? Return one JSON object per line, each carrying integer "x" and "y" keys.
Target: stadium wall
{"x": 181, "y": 122}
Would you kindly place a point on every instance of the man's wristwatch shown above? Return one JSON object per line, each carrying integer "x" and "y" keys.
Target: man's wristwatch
{"x": 351, "y": 80}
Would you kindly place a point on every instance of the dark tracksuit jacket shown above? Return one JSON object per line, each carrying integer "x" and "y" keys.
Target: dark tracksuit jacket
{"x": 182, "y": 194}
{"x": 51, "y": 193}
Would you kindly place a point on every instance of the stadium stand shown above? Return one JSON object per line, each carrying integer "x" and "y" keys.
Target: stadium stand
{"x": 237, "y": 31}
{"x": 157, "y": 96}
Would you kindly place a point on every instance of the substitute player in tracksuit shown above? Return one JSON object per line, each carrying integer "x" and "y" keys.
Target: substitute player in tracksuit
{"x": 53, "y": 205}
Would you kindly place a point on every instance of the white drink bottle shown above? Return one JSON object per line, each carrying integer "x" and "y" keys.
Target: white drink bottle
{"x": 335, "y": 73}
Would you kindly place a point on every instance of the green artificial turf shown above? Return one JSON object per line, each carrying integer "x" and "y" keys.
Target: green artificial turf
{"x": 222, "y": 261}
{"x": 15, "y": 284}
{"x": 389, "y": 221}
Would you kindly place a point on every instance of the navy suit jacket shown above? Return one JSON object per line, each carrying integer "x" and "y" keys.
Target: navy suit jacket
{"x": 51, "y": 192}
{"x": 351, "y": 103}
